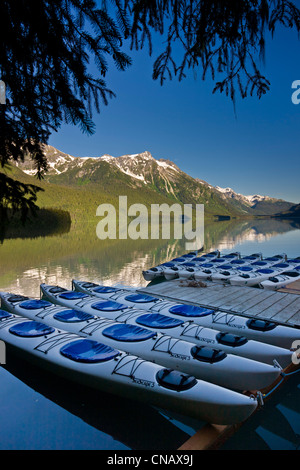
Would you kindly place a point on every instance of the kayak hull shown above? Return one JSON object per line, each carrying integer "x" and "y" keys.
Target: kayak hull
{"x": 230, "y": 371}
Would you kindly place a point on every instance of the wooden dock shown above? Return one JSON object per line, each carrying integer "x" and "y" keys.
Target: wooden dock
{"x": 282, "y": 306}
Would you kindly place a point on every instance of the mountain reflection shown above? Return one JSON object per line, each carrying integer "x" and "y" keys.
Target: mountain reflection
{"x": 79, "y": 254}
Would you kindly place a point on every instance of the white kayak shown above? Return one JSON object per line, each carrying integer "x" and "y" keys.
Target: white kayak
{"x": 276, "y": 258}
{"x": 110, "y": 370}
{"x": 281, "y": 280}
{"x": 158, "y": 271}
{"x": 187, "y": 270}
{"x": 176, "y": 328}
{"x": 237, "y": 267}
{"x": 203, "y": 362}
{"x": 256, "y": 277}
{"x": 213, "y": 272}
{"x": 294, "y": 261}
{"x": 257, "y": 329}
{"x": 252, "y": 257}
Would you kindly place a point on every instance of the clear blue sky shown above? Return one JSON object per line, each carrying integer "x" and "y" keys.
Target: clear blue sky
{"x": 253, "y": 152}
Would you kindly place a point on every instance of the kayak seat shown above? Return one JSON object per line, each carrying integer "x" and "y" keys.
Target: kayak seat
{"x": 245, "y": 268}
{"x": 108, "y": 306}
{"x": 190, "y": 311}
{"x": 175, "y": 380}
{"x": 157, "y": 320}
{"x": 88, "y": 351}
{"x": 260, "y": 325}
{"x": 140, "y": 298}
{"x": 73, "y": 295}
{"x": 35, "y": 304}
{"x": 31, "y": 329}
{"x": 72, "y": 316}
{"x": 179, "y": 259}
{"x": 4, "y": 314}
{"x": 124, "y": 332}
{"x": 105, "y": 289}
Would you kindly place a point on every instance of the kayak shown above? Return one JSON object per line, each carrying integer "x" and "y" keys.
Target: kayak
{"x": 252, "y": 257}
{"x": 257, "y": 276}
{"x": 184, "y": 271}
{"x": 113, "y": 371}
{"x": 237, "y": 267}
{"x": 281, "y": 280}
{"x": 265, "y": 331}
{"x": 293, "y": 261}
{"x": 206, "y": 363}
{"x": 225, "y": 273}
{"x": 158, "y": 271}
{"x": 213, "y": 268}
{"x": 276, "y": 258}
{"x": 185, "y": 330}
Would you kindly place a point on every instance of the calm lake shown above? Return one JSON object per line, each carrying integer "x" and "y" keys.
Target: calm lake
{"x": 42, "y": 411}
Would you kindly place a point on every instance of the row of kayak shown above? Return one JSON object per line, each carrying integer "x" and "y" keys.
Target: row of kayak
{"x": 272, "y": 272}
{"x": 174, "y": 356}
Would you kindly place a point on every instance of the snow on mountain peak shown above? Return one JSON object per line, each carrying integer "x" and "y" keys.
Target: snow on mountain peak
{"x": 251, "y": 199}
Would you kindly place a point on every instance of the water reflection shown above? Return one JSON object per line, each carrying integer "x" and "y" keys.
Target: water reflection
{"x": 129, "y": 424}
{"x": 25, "y": 263}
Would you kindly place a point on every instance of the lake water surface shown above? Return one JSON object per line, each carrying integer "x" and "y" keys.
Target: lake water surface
{"x": 41, "y": 411}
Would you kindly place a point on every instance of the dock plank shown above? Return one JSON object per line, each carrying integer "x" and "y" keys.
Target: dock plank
{"x": 263, "y": 304}
{"x": 243, "y": 297}
{"x": 225, "y": 296}
{"x": 278, "y": 306}
{"x": 248, "y": 301}
{"x": 285, "y": 314}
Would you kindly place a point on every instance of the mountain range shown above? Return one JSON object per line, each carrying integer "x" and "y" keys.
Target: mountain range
{"x": 142, "y": 177}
